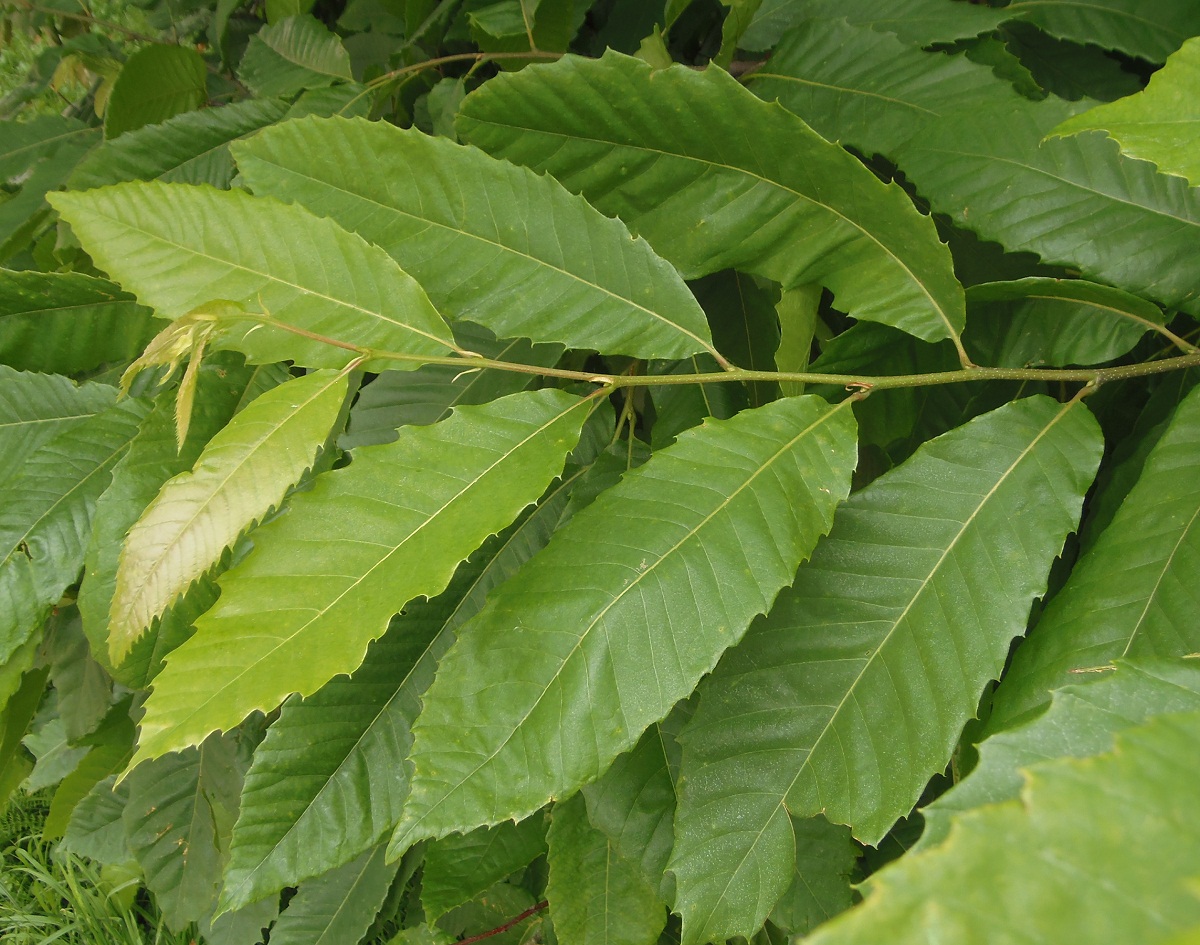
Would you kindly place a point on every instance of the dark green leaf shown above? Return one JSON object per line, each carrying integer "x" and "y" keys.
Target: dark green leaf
{"x": 668, "y": 153}
{"x": 156, "y": 83}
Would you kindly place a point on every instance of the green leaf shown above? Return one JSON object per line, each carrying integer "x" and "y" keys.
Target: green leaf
{"x": 1054, "y": 322}
{"x": 852, "y": 692}
{"x": 428, "y": 394}
{"x": 227, "y": 245}
{"x": 191, "y": 148}
{"x": 1159, "y": 124}
{"x": 1132, "y": 593}
{"x": 243, "y": 473}
{"x": 156, "y": 83}
{"x": 667, "y": 152}
{"x": 296, "y": 53}
{"x": 329, "y": 780}
{"x": 387, "y": 528}
{"x": 744, "y": 324}
{"x": 461, "y": 866}
{"x": 34, "y": 408}
{"x": 67, "y": 322}
{"x": 1149, "y": 29}
{"x": 473, "y": 231}
{"x": 27, "y": 142}
{"x": 338, "y": 907}
{"x": 973, "y": 147}
{"x": 920, "y": 22}
{"x": 20, "y": 214}
{"x": 820, "y": 889}
{"x": 111, "y": 744}
{"x": 1073, "y": 860}
{"x": 633, "y": 802}
{"x": 180, "y": 811}
{"x": 733, "y": 27}
{"x": 596, "y": 896}
{"x": 45, "y": 517}
{"x": 154, "y": 456}
{"x": 1081, "y": 721}
{"x": 96, "y": 829}
{"x": 610, "y": 635}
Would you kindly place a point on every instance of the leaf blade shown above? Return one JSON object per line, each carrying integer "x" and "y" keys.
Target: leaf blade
{"x": 674, "y": 517}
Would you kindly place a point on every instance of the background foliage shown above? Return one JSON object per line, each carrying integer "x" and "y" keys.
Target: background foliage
{"x": 603, "y": 473}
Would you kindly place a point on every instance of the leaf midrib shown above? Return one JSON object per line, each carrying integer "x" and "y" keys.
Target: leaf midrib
{"x": 447, "y": 626}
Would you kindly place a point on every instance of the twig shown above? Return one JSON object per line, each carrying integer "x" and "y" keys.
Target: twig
{"x": 506, "y": 926}
{"x": 861, "y": 383}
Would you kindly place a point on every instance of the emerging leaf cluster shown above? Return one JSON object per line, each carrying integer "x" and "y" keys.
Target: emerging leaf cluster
{"x": 608, "y": 473}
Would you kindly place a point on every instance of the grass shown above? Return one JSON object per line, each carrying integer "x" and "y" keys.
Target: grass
{"x": 48, "y": 897}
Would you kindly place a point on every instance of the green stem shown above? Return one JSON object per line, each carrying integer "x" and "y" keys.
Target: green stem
{"x": 861, "y": 383}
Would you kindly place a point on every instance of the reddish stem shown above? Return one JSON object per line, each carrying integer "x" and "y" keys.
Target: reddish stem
{"x": 507, "y": 925}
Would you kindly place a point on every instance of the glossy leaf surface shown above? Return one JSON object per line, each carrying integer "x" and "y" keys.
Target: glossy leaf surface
{"x": 1158, "y": 124}
{"x": 1012, "y": 872}
{"x": 1132, "y": 593}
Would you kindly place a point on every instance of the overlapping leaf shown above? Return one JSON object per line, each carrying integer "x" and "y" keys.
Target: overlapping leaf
{"x": 391, "y": 526}
{"x": 34, "y": 408}
{"x": 339, "y": 906}
{"x": 1150, "y": 29}
{"x": 597, "y": 896}
{"x": 620, "y": 615}
{"x": 428, "y": 394}
{"x": 191, "y": 148}
{"x": 1072, "y": 861}
{"x": 476, "y": 232}
{"x": 296, "y": 53}
{"x": 634, "y": 802}
{"x": 181, "y": 808}
{"x": 852, "y": 692}
{"x": 45, "y": 517}
{"x": 156, "y": 83}
{"x": 1159, "y": 124}
{"x": 1054, "y": 322}
{"x": 1133, "y": 592}
{"x": 974, "y": 148}
{"x": 329, "y": 780}
{"x": 1081, "y": 721}
{"x": 821, "y": 877}
{"x": 68, "y": 322}
{"x": 668, "y": 152}
{"x": 461, "y": 866}
{"x": 242, "y": 474}
{"x": 920, "y": 22}
{"x": 227, "y": 245}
